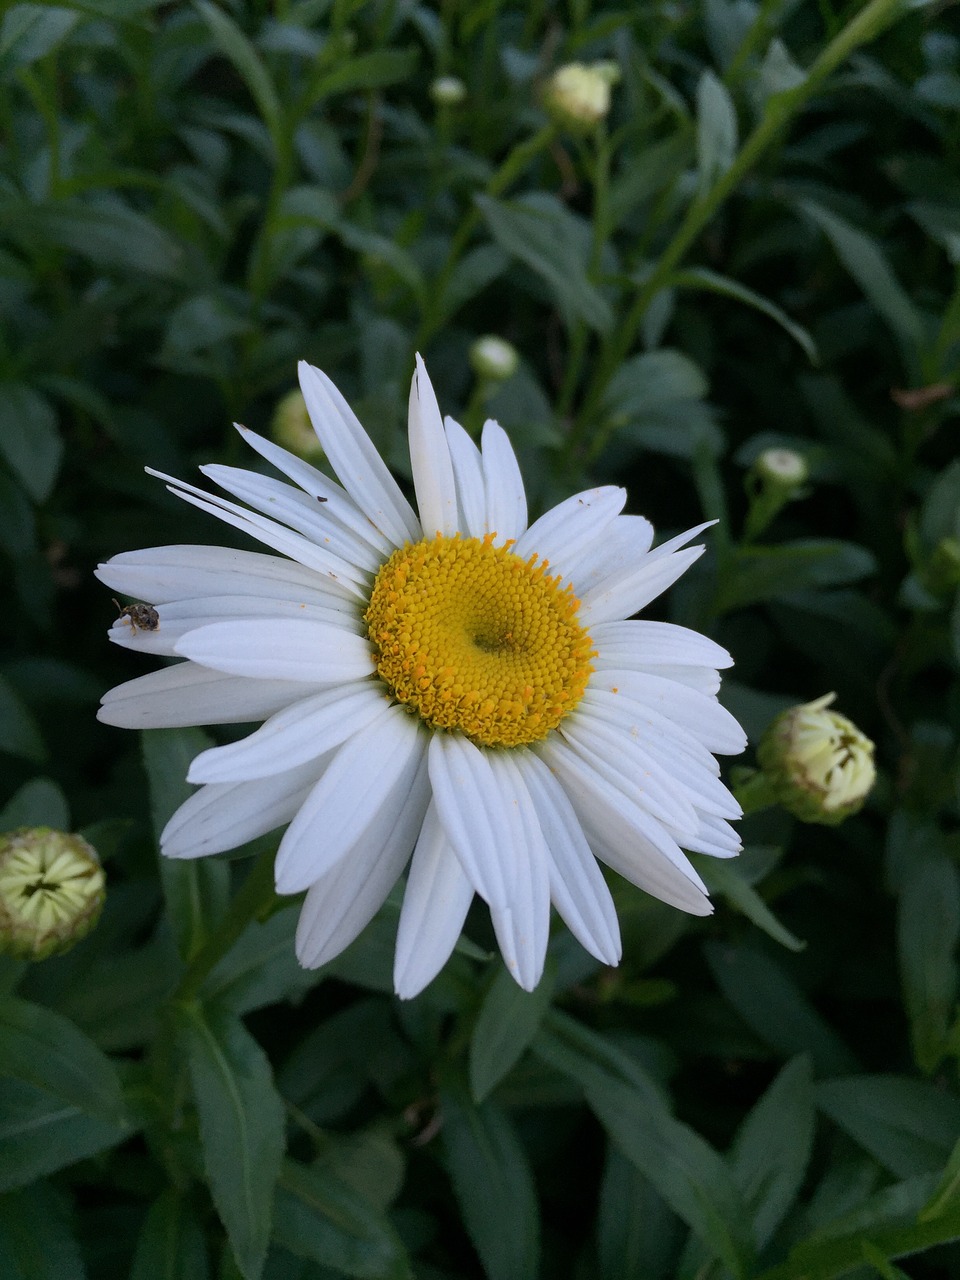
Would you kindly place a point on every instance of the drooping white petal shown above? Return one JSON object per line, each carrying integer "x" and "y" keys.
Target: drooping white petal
{"x": 337, "y": 503}
{"x": 468, "y": 474}
{"x": 355, "y": 459}
{"x": 716, "y": 838}
{"x": 299, "y": 512}
{"x": 435, "y": 905}
{"x": 226, "y": 815}
{"x": 180, "y": 616}
{"x": 621, "y": 594}
{"x": 624, "y": 545}
{"x": 366, "y": 774}
{"x": 346, "y": 898}
{"x": 163, "y": 574}
{"x": 566, "y": 531}
{"x": 430, "y": 462}
{"x": 506, "y": 499}
{"x": 614, "y": 845}
{"x": 288, "y": 649}
{"x": 641, "y": 643}
{"x": 187, "y": 694}
{"x": 309, "y": 728}
{"x": 702, "y": 716}
{"x": 577, "y": 886}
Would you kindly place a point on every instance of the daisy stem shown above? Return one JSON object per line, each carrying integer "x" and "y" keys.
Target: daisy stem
{"x": 755, "y": 792}
{"x": 254, "y": 898}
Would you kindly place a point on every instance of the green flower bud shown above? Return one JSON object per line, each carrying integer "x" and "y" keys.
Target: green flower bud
{"x": 291, "y": 427}
{"x": 782, "y": 468}
{"x": 448, "y": 91}
{"x": 577, "y": 96}
{"x": 51, "y": 892}
{"x": 941, "y": 573}
{"x": 817, "y": 762}
{"x": 493, "y": 358}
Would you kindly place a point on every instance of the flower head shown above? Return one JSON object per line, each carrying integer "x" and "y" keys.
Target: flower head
{"x": 819, "y": 764}
{"x": 577, "y": 95}
{"x": 51, "y": 892}
{"x": 452, "y": 688}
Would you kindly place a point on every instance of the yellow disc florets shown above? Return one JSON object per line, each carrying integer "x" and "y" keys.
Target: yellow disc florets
{"x": 473, "y": 638}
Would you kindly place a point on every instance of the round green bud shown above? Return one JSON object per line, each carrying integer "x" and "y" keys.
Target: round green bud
{"x": 941, "y": 573}
{"x": 448, "y": 91}
{"x": 291, "y": 427}
{"x": 817, "y": 762}
{"x": 51, "y": 892}
{"x": 782, "y": 468}
{"x": 577, "y": 95}
{"x": 493, "y": 358}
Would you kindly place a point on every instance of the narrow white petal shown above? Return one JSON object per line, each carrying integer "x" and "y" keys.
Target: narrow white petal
{"x": 619, "y": 850}
{"x": 289, "y": 649}
{"x": 338, "y": 504}
{"x": 300, "y": 512}
{"x": 226, "y": 815}
{"x": 336, "y": 573}
{"x": 702, "y": 716}
{"x": 430, "y": 462}
{"x": 523, "y": 925}
{"x": 187, "y": 694}
{"x": 346, "y": 898}
{"x": 577, "y": 886}
{"x": 300, "y": 733}
{"x": 716, "y": 838}
{"x": 162, "y": 574}
{"x": 468, "y": 474}
{"x": 435, "y": 905}
{"x": 506, "y": 500}
{"x": 355, "y": 459}
{"x": 704, "y": 679}
{"x": 625, "y": 592}
{"x": 642, "y": 643}
{"x": 366, "y": 773}
{"x": 623, "y": 545}
{"x": 566, "y": 531}
{"x": 180, "y": 616}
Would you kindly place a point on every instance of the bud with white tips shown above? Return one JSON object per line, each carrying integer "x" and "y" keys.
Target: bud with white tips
{"x": 493, "y": 358}
{"x": 51, "y": 892}
{"x": 291, "y": 427}
{"x": 577, "y": 95}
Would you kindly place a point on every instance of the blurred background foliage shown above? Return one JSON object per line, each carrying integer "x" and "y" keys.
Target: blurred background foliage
{"x": 758, "y": 247}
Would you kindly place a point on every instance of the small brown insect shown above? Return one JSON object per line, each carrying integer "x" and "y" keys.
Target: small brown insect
{"x": 319, "y": 499}
{"x": 142, "y": 617}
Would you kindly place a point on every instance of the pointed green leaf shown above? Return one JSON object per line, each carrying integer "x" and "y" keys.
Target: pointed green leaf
{"x": 40, "y": 1133}
{"x": 29, "y": 440}
{"x": 713, "y": 282}
{"x": 725, "y": 878}
{"x": 716, "y": 129}
{"x": 509, "y": 1019}
{"x": 909, "y": 1126}
{"x": 26, "y": 1253}
{"x": 30, "y": 31}
{"x": 248, "y": 63}
{"x": 171, "y": 1245}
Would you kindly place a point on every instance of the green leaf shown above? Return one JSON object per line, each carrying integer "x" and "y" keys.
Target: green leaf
{"x": 509, "y": 1019}
{"x": 774, "y": 1009}
{"x": 713, "y": 282}
{"x": 947, "y": 1194}
{"x": 865, "y": 261}
{"x": 650, "y": 382}
{"x": 248, "y": 64}
{"x": 19, "y": 735}
{"x": 26, "y": 1253}
{"x": 725, "y": 878}
{"x": 196, "y": 889}
{"x": 373, "y": 70}
{"x": 716, "y": 129}
{"x": 40, "y": 1133}
{"x": 171, "y": 1245}
{"x": 541, "y": 234}
{"x": 475, "y": 270}
{"x": 909, "y": 1126}
{"x": 775, "y": 573}
{"x": 241, "y": 1127}
{"x": 928, "y": 929}
{"x": 30, "y": 31}
{"x": 29, "y": 440}
{"x": 645, "y": 173}
{"x": 38, "y": 803}
{"x": 44, "y": 1049}
{"x": 493, "y": 1185}
{"x": 636, "y": 1232}
{"x": 319, "y": 1217}
{"x": 261, "y": 968}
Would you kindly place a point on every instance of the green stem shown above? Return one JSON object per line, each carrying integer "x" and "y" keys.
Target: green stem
{"x": 255, "y": 896}
{"x": 755, "y": 793}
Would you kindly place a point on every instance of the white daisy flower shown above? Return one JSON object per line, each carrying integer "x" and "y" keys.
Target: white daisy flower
{"x": 457, "y": 685}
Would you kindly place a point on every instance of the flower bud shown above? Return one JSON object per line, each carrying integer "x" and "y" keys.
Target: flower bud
{"x": 448, "y": 91}
{"x": 493, "y": 358}
{"x": 941, "y": 573}
{"x": 51, "y": 892}
{"x": 291, "y": 427}
{"x": 577, "y": 95}
{"x": 817, "y": 762}
{"x": 782, "y": 467}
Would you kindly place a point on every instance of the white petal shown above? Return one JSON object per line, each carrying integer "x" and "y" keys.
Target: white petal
{"x": 702, "y": 716}
{"x": 715, "y": 838}
{"x": 337, "y": 503}
{"x": 435, "y": 905}
{"x": 355, "y": 459}
{"x": 289, "y": 649}
{"x": 621, "y": 594}
{"x": 577, "y": 886}
{"x": 624, "y": 544}
{"x": 704, "y": 679}
{"x": 187, "y": 694}
{"x": 367, "y": 773}
{"x": 226, "y": 815}
{"x": 506, "y": 500}
{"x": 619, "y": 850}
{"x": 300, "y": 733}
{"x": 336, "y": 573}
{"x": 347, "y": 897}
{"x": 298, "y": 511}
{"x": 180, "y": 616}
{"x": 468, "y": 474}
{"x": 430, "y": 462}
{"x": 162, "y": 574}
{"x": 566, "y": 531}
{"x": 643, "y": 644}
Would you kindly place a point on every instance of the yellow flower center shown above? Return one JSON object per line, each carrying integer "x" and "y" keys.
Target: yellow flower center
{"x": 473, "y": 638}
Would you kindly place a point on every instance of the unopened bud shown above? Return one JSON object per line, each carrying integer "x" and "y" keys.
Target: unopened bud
{"x": 782, "y": 467}
{"x": 448, "y": 91}
{"x": 291, "y": 427}
{"x": 817, "y": 762}
{"x": 941, "y": 573}
{"x": 494, "y": 358}
{"x": 51, "y": 892}
{"x": 577, "y": 95}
